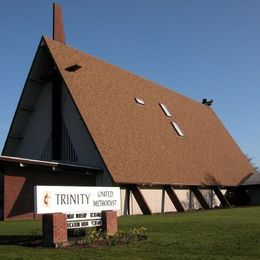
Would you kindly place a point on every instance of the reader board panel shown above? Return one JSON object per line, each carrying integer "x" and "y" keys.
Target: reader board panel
{"x": 84, "y": 220}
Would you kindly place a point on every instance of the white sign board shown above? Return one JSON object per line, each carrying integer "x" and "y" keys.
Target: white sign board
{"x": 71, "y": 199}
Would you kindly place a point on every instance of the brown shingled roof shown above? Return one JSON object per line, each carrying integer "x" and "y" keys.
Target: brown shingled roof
{"x": 137, "y": 142}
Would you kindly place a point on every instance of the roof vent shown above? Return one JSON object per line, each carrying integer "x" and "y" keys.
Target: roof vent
{"x": 73, "y": 68}
{"x": 177, "y": 129}
{"x": 165, "y": 110}
{"x": 139, "y": 101}
{"x": 207, "y": 102}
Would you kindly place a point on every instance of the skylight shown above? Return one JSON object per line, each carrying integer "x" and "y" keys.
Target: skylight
{"x": 73, "y": 68}
{"x": 165, "y": 110}
{"x": 139, "y": 101}
{"x": 177, "y": 129}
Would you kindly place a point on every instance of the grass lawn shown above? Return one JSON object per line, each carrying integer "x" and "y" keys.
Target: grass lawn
{"x": 213, "y": 234}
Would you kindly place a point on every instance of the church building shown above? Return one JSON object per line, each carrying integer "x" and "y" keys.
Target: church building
{"x": 81, "y": 121}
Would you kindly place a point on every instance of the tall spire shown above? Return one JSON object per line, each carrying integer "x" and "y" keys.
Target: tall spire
{"x": 57, "y": 30}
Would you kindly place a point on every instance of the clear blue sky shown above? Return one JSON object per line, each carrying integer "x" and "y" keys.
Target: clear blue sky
{"x": 200, "y": 48}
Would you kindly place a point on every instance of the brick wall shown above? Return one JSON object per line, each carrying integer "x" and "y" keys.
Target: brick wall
{"x": 54, "y": 229}
{"x": 109, "y": 222}
{"x": 19, "y": 188}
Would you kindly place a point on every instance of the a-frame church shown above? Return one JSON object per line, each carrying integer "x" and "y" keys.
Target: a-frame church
{"x": 83, "y": 122}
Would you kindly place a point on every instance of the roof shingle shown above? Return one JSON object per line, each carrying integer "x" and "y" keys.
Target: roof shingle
{"x": 138, "y": 143}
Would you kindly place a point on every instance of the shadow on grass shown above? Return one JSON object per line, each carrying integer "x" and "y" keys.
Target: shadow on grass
{"x": 28, "y": 241}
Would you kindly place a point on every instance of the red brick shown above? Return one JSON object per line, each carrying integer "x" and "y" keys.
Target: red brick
{"x": 19, "y": 188}
{"x": 54, "y": 229}
{"x": 109, "y": 222}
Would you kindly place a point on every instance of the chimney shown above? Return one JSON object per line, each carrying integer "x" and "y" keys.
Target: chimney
{"x": 57, "y": 30}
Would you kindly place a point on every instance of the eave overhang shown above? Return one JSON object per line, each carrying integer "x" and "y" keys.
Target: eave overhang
{"x": 50, "y": 165}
